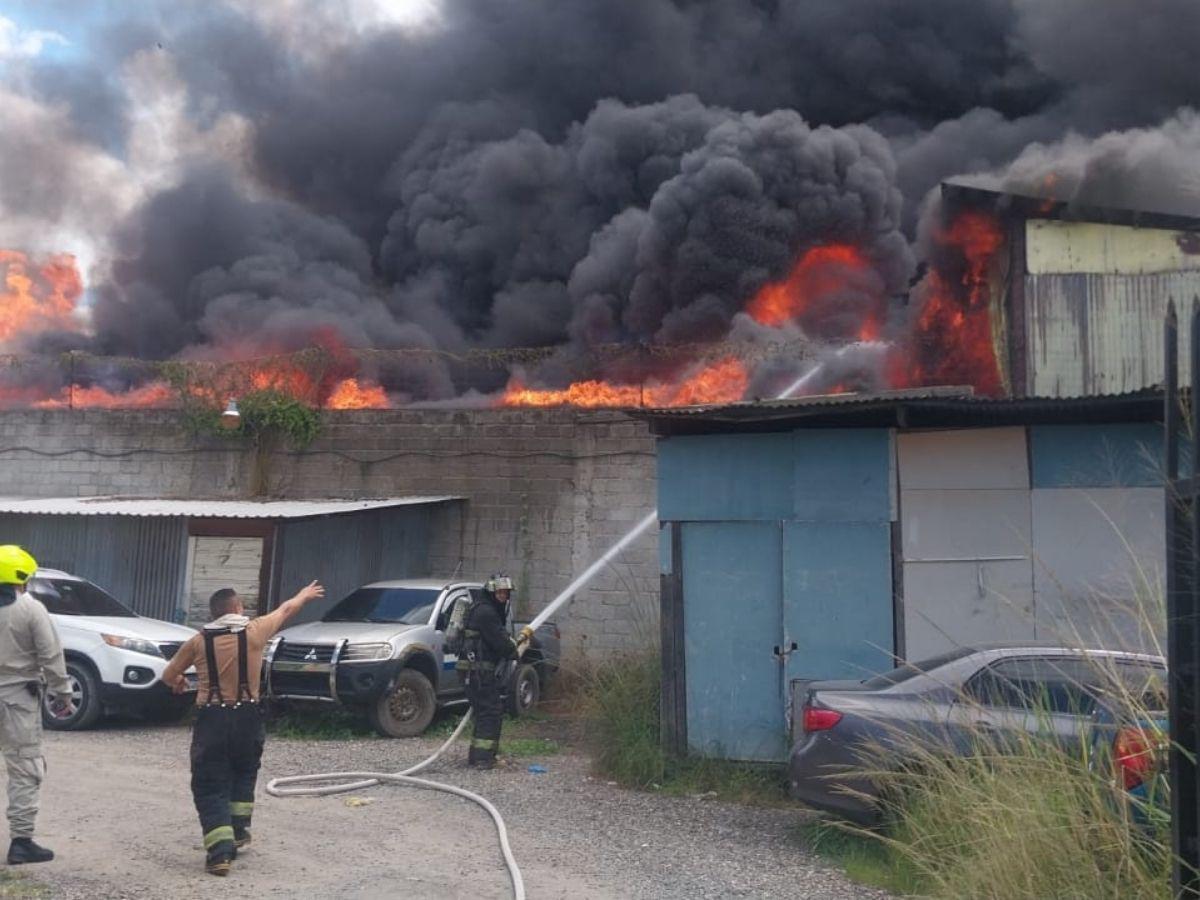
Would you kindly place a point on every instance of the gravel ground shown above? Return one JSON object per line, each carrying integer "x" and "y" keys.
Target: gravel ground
{"x": 117, "y": 810}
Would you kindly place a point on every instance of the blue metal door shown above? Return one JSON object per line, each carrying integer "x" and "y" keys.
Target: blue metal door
{"x": 732, "y": 589}
{"x": 837, "y": 599}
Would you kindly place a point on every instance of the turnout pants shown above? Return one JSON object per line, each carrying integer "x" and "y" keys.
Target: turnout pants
{"x": 21, "y": 742}
{"x": 483, "y": 690}
{"x": 227, "y": 746}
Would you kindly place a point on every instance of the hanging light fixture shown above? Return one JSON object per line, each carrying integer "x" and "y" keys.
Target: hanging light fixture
{"x": 231, "y": 418}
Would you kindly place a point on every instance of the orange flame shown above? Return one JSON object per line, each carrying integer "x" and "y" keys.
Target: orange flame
{"x": 353, "y": 394}
{"x": 821, "y": 271}
{"x": 724, "y": 381}
{"x": 155, "y": 395}
{"x": 954, "y": 329}
{"x": 37, "y": 297}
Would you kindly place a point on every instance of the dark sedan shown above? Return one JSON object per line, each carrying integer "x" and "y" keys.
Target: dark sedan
{"x": 944, "y": 703}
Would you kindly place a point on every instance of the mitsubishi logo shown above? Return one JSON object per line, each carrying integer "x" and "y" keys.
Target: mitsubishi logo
{"x": 311, "y": 655}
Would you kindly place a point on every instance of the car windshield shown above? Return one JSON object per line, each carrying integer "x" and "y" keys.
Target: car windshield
{"x": 76, "y": 598}
{"x": 403, "y": 606}
{"x": 912, "y": 670}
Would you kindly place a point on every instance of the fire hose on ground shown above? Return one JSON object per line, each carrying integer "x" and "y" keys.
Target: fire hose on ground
{"x": 322, "y": 784}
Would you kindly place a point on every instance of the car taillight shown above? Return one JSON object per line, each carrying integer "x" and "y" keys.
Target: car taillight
{"x": 1135, "y": 756}
{"x": 818, "y": 719}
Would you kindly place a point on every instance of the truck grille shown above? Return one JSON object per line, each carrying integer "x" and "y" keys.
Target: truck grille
{"x": 310, "y": 653}
{"x": 299, "y": 684}
{"x": 169, "y": 648}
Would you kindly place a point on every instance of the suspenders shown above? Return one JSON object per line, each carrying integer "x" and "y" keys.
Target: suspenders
{"x": 215, "y": 697}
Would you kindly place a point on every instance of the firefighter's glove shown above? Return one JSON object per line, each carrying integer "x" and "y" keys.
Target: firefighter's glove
{"x": 524, "y": 640}
{"x": 60, "y": 706}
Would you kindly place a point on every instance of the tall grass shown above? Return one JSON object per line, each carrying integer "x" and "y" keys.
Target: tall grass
{"x": 621, "y": 707}
{"x": 1026, "y": 821}
{"x": 620, "y": 703}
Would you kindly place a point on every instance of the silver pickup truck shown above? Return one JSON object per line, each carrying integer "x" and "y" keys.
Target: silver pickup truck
{"x": 383, "y": 649}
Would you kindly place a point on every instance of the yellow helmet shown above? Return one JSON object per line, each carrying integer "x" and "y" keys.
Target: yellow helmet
{"x": 16, "y": 566}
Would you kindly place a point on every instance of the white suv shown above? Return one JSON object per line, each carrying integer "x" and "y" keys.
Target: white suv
{"x": 115, "y": 658}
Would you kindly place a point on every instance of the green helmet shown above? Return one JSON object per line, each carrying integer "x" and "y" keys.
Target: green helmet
{"x": 16, "y": 566}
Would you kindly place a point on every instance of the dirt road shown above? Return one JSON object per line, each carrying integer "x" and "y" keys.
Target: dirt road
{"x": 116, "y": 809}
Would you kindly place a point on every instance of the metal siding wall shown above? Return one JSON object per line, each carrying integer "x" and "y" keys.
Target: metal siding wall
{"x": 726, "y": 477}
{"x": 139, "y": 560}
{"x": 347, "y": 551}
{"x": 966, "y": 538}
{"x": 732, "y": 619}
{"x": 1096, "y": 455}
{"x": 1055, "y": 247}
{"x": 842, "y": 475}
{"x": 1100, "y": 334}
{"x": 1100, "y": 561}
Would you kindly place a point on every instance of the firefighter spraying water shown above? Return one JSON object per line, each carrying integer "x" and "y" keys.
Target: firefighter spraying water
{"x": 342, "y": 782}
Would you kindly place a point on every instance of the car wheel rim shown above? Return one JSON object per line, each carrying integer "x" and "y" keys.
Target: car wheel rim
{"x": 403, "y": 704}
{"x": 526, "y": 692}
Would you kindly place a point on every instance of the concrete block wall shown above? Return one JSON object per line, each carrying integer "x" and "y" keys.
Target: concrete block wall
{"x": 547, "y": 491}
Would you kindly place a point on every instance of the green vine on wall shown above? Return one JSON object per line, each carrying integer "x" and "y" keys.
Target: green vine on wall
{"x": 268, "y": 420}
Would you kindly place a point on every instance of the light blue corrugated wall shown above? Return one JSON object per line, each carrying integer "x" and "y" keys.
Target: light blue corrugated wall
{"x": 140, "y": 560}
{"x": 785, "y": 538}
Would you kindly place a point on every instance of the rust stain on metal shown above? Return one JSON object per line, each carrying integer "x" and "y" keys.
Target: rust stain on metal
{"x": 1189, "y": 242}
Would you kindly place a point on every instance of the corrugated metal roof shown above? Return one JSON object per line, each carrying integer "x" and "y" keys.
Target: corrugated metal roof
{"x": 1024, "y": 206}
{"x": 814, "y": 400}
{"x": 925, "y": 408}
{"x": 202, "y": 509}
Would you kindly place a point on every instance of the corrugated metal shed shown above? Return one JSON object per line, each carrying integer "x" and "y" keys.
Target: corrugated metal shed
{"x": 140, "y": 560}
{"x": 202, "y": 509}
{"x": 137, "y": 548}
{"x": 1101, "y": 333}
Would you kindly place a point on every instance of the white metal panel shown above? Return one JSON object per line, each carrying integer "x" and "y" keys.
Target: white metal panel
{"x": 1101, "y": 334}
{"x": 951, "y": 604}
{"x": 208, "y": 509}
{"x": 1099, "y": 564}
{"x": 220, "y": 562}
{"x": 956, "y": 525}
{"x": 974, "y": 459}
{"x": 1055, "y": 247}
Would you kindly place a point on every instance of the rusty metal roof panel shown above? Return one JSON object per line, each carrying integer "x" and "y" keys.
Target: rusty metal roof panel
{"x": 1098, "y": 334}
{"x": 202, "y": 509}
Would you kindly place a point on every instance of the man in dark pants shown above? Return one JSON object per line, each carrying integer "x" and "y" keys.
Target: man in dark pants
{"x": 227, "y": 739}
{"x": 486, "y": 646}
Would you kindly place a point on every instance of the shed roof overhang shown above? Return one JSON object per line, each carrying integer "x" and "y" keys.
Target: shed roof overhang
{"x": 950, "y": 407}
{"x": 204, "y": 509}
{"x": 1023, "y": 206}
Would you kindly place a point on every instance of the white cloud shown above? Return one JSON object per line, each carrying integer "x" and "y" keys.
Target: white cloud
{"x": 19, "y": 43}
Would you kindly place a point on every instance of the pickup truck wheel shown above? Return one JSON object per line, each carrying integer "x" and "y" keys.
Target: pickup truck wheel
{"x": 85, "y": 706}
{"x": 407, "y": 709}
{"x": 524, "y": 690}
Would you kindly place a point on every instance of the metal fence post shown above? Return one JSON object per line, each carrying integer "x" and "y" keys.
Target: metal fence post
{"x": 1183, "y": 649}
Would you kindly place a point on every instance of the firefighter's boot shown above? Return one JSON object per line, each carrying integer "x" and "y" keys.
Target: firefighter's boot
{"x": 219, "y": 861}
{"x": 24, "y": 850}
